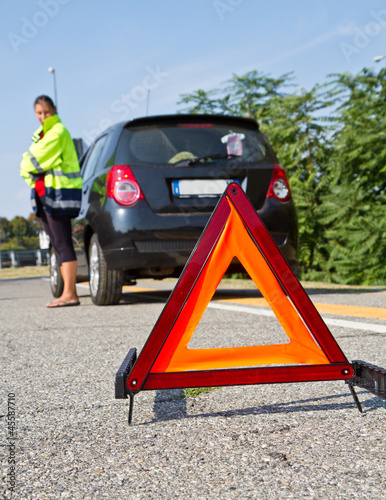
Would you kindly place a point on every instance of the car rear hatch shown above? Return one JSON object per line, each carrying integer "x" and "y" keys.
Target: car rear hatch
{"x": 183, "y": 163}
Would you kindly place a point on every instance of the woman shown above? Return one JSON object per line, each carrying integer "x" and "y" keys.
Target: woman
{"x": 51, "y": 168}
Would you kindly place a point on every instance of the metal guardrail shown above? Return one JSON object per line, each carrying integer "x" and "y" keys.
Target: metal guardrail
{"x": 19, "y": 258}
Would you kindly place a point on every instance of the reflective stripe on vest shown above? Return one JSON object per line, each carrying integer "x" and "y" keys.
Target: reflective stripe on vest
{"x": 62, "y": 204}
{"x": 35, "y": 163}
{"x": 60, "y": 173}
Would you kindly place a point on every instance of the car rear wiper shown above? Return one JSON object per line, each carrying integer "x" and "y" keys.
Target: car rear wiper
{"x": 210, "y": 157}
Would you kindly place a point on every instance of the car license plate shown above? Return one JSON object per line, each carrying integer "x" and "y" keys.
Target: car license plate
{"x": 200, "y": 187}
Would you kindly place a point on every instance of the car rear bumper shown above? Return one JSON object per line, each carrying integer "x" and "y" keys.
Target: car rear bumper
{"x": 152, "y": 250}
{"x": 154, "y": 258}
{"x": 166, "y": 241}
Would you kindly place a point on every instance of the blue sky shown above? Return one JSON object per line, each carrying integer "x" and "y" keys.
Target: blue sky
{"x": 109, "y": 57}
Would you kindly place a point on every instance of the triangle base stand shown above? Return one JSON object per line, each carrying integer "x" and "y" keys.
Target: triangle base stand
{"x": 185, "y": 380}
{"x": 367, "y": 376}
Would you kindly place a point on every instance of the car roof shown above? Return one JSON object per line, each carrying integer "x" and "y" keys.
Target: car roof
{"x": 200, "y": 117}
{"x": 249, "y": 122}
{"x": 217, "y": 118}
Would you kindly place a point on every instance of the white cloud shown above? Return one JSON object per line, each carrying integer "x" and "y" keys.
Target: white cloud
{"x": 337, "y": 31}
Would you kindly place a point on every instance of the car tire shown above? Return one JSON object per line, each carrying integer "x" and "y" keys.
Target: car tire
{"x": 105, "y": 283}
{"x": 56, "y": 278}
{"x": 295, "y": 268}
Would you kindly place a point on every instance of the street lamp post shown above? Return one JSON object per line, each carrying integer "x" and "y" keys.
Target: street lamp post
{"x": 1, "y": 260}
{"x": 378, "y": 59}
{"x": 52, "y": 70}
{"x": 147, "y": 102}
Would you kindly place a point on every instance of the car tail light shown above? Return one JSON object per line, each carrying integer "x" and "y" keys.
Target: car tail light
{"x": 279, "y": 187}
{"x": 122, "y": 186}
{"x": 195, "y": 125}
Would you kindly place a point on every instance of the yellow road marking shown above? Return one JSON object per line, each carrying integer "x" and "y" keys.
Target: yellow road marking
{"x": 138, "y": 289}
{"x": 340, "y": 310}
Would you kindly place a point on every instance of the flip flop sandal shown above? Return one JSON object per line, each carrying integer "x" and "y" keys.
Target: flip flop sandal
{"x": 63, "y": 303}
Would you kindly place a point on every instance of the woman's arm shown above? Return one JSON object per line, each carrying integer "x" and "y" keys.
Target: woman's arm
{"x": 41, "y": 157}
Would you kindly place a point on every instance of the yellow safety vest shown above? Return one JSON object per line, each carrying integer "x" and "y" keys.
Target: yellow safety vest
{"x": 53, "y": 154}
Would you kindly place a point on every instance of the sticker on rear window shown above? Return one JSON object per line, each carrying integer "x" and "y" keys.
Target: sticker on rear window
{"x": 234, "y": 143}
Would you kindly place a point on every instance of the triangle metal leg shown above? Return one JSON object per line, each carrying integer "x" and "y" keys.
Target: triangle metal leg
{"x": 355, "y": 396}
{"x": 131, "y": 404}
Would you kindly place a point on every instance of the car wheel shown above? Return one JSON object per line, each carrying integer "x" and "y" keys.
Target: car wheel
{"x": 295, "y": 268}
{"x": 56, "y": 279}
{"x": 105, "y": 283}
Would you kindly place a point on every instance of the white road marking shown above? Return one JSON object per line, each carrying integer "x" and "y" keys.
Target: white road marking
{"x": 354, "y": 325}
{"x": 342, "y": 323}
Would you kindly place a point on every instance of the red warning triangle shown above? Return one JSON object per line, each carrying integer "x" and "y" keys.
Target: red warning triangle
{"x": 235, "y": 230}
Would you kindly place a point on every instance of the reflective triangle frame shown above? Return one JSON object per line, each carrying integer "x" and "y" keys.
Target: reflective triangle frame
{"x": 165, "y": 361}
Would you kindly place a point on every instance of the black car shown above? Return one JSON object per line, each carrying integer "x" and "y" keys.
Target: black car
{"x": 150, "y": 186}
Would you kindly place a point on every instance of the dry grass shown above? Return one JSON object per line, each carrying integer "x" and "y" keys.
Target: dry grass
{"x": 23, "y": 272}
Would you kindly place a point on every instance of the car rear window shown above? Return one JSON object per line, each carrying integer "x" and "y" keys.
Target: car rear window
{"x": 173, "y": 143}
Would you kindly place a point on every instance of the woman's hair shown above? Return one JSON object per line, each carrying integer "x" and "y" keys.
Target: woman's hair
{"x": 45, "y": 99}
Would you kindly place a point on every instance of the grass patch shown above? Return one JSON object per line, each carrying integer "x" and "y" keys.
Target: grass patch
{"x": 196, "y": 391}
{"x": 8, "y": 273}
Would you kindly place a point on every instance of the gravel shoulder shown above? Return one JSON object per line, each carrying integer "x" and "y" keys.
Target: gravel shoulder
{"x": 260, "y": 442}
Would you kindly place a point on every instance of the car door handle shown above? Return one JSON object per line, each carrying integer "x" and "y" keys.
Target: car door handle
{"x": 85, "y": 190}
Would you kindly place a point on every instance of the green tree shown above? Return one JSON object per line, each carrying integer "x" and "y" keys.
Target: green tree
{"x": 35, "y": 223}
{"x": 199, "y": 102}
{"x": 354, "y": 207}
{"x": 331, "y": 141}
{"x": 20, "y": 233}
{"x": 5, "y": 229}
{"x": 20, "y": 227}
{"x": 246, "y": 95}
{"x": 299, "y": 133}
{"x": 299, "y": 138}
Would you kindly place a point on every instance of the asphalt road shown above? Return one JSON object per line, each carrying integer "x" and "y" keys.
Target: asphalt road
{"x": 63, "y": 435}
